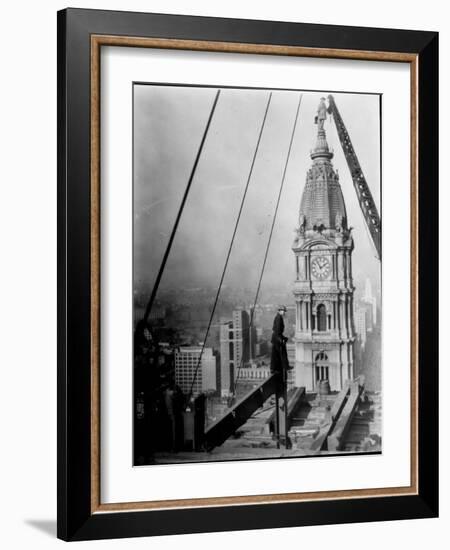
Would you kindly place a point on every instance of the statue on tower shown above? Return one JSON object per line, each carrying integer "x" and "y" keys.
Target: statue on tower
{"x": 302, "y": 224}
{"x": 340, "y": 223}
{"x": 321, "y": 114}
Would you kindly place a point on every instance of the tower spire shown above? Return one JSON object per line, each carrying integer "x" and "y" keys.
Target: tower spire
{"x": 321, "y": 150}
{"x": 322, "y": 204}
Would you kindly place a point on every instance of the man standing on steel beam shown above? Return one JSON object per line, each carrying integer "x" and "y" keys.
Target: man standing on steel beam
{"x": 279, "y": 359}
{"x": 279, "y": 364}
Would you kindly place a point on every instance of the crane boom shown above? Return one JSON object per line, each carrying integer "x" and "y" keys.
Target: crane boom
{"x": 366, "y": 202}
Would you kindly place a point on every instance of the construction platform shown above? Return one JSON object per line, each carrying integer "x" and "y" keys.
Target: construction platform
{"x": 347, "y": 422}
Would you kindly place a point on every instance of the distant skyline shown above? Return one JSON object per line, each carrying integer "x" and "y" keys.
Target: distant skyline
{"x": 168, "y": 125}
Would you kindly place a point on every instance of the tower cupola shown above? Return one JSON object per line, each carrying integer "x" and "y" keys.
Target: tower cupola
{"x": 322, "y": 205}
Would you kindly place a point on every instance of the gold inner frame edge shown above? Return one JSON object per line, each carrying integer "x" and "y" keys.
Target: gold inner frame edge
{"x": 97, "y": 41}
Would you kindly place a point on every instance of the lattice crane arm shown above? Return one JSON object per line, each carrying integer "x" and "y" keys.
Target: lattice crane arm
{"x": 365, "y": 199}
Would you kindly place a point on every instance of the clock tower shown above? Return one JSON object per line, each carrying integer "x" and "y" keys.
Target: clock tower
{"x": 323, "y": 289}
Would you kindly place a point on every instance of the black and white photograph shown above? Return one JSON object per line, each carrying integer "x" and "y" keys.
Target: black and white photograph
{"x": 257, "y": 295}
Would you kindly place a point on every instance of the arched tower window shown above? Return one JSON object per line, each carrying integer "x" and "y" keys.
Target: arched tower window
{"x": 321, "y": 318}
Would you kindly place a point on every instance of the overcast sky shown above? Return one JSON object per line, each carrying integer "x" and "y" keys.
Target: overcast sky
{"x": 168, "y": 127}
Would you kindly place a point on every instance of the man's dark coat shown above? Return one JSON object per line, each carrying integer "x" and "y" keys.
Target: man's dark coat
{"x": 279, "y": 358}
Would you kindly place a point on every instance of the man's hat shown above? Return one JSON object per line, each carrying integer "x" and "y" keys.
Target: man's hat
{"x": 282, "y": 308}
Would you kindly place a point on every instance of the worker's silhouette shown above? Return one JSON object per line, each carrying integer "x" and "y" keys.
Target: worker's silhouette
{"x": 279, "y": 359}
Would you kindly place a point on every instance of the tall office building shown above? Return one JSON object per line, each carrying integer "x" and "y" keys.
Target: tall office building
{"x": 190, "y": 360}
{"x": 370, "y": 299}
{"x": 361, "y": 326}
{"x": 226, "y": 361}
{"x": 237, "y": 347}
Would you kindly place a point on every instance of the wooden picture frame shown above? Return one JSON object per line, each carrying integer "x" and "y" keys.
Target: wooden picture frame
{"x": 81, "y": 35}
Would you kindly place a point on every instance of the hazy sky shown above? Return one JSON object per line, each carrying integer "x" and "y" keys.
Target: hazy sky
{"x": 168, "y": 126}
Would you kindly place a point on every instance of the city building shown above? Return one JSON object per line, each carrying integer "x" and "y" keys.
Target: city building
{"x": 157, "y": 314}
{"x": 371, "y": 300}
{"x": 226, "y": 359}
{"x": 323, "y": 289}
{"x": 255, "y": 372}
{"x": 190, "y": 363}
{"x": 290, "y": 348}
{"x": 237, "y": 347}
{"x": 360, "y": 325}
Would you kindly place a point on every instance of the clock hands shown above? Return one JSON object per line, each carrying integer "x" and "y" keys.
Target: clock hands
{"x": 321, "y": 267}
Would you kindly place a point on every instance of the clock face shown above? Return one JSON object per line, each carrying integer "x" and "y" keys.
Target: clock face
{"x": 320, "y": 267}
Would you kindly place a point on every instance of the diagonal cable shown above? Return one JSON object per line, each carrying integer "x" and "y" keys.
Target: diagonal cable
{"x": 180, "y": 211}
{"x": 231, "y": 244}
{"x": 271, "y": 229}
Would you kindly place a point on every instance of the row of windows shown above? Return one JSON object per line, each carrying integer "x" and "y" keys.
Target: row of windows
{"x": 321, "y": 321}
{"x": 187, "y": 383}
{"x": 187, "y": 371}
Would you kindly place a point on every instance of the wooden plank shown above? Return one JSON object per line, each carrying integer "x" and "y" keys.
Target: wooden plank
{"x": 320, "y": 441}
{"x": 335, "y": 440}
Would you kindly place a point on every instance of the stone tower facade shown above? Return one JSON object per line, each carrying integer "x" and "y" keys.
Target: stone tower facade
{"x": 323, "y": 289}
